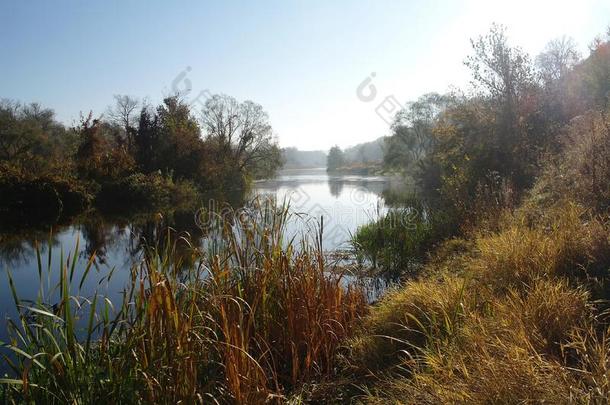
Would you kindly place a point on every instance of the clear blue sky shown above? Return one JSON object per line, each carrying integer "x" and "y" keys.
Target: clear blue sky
{"x": 302, "y": 60}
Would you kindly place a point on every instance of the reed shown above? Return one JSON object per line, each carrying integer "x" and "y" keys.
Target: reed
{"x": 255, "y": 316}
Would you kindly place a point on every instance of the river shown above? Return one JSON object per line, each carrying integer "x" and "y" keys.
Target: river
{"x": 345, "y": 202}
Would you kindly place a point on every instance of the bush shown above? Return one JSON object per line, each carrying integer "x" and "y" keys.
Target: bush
{"x": 397, "y": 244}
{"x": 183, "y": 193}
{"x": 30, "y": 202}
{"x": 74, "y": 196}
{"x": 581, "y": 172}
{"x": 142, "y": 191}
{"x": 29, "y": 199}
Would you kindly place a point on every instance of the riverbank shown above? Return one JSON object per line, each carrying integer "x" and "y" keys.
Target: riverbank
{"x": 249, "y": 318}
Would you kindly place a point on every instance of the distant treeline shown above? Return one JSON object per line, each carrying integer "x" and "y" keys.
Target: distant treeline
{"x": 360, "y": 154}
{"x": 296, "y": 159}
{"x": 134, "y": 155}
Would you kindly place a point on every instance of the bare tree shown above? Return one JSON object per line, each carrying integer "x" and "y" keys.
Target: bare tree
{"x": 240, "y": 130}
{"x": 124, "y": 114}
{"x": 124, "y": 111}
{"x": 559, "y": 56}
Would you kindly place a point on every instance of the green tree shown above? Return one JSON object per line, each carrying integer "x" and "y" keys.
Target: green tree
{"x": 335, "y": 159}
{"x": 412, "y": 131}
{"x": 30, "y": 138}
{"x": 147, "y": 141}
{"x": 181, "y": 144}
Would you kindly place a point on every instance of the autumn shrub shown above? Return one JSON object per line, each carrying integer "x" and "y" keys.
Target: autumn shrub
{"x": 581, "y": 172}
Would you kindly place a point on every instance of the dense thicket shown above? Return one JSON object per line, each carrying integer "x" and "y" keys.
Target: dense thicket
{"x": 468, "y": 152}
{"x": 513, "y": 307}
{"x": 162, "y": 155}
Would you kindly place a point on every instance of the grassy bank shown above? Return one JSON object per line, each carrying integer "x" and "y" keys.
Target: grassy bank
{"x": 511, "y": 316}
{"x": 513, "y": 310}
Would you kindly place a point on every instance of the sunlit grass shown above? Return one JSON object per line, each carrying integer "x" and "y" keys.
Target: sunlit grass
{"x": 513, "y": 316}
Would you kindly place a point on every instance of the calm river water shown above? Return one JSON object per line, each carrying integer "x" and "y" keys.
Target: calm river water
{"x": 345, "y": 202}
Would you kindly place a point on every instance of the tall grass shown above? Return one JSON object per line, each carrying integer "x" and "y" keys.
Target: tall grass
{"x": 255, "y": 317}
{"x": 512, "y": 316}
{"x": 566, "y": 242}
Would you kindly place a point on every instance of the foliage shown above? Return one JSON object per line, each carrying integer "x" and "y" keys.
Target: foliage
{"x": 145, "y": 192}
{"x": 30, "y": 137}
{"x": 31, "y": 199}
{"x": 396, "y": 244}
{"x": 335, "y": 159}
{"x": 582, "y": 173}
{"x": 240, "y": 133}
{"x": 459, "y": 147}
{"x": 141, "y": 162}
{"x": 514, "y": 311}
{"x": 412, "y": 137}
{"x": 101, "y": 156}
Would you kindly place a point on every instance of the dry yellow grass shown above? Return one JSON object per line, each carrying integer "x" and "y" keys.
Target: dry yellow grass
{"x": 514, "y": 350}
{"x": 515, "y": 323}
{"x": 567, "y": 242}
{"x": 401, "y": 324}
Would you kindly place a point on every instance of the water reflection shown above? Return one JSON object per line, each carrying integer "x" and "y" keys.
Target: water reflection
{"x": 335, "y": 186}
{"x": 343, "y": 202}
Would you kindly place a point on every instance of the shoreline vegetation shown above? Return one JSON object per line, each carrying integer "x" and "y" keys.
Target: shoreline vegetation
{"x": 499, "y": 257}
{"x": 368, "y": 169}
{"x": 363, "y": 159}
{"x": 189, "y": 331}
{"x": 161, "y": 157}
